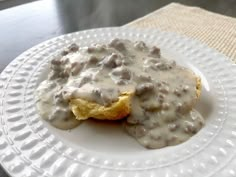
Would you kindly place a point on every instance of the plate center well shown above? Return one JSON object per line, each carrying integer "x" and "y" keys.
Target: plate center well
{"x": 110, "y": 137}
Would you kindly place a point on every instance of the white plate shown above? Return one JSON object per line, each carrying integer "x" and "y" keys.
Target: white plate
{"x": 31, "y": 147}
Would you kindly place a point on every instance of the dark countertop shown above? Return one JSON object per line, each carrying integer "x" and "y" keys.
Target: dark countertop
{"x": 24, "y": 26}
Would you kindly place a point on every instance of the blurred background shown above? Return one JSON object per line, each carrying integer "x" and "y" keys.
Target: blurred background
{"x": 83, "y": 14}
{"x": 25, "y": 23}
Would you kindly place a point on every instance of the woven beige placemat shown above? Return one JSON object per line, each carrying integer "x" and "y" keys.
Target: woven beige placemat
{"x": 217, "y": 31}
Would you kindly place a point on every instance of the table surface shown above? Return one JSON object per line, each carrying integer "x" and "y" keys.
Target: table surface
{"x": 24, "y": 26}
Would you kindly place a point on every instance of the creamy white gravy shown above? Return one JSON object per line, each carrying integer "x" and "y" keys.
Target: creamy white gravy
{"x": 162, "y": 111}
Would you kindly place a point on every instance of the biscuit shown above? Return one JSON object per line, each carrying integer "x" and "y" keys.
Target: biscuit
{"x": 84, "y": 109}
